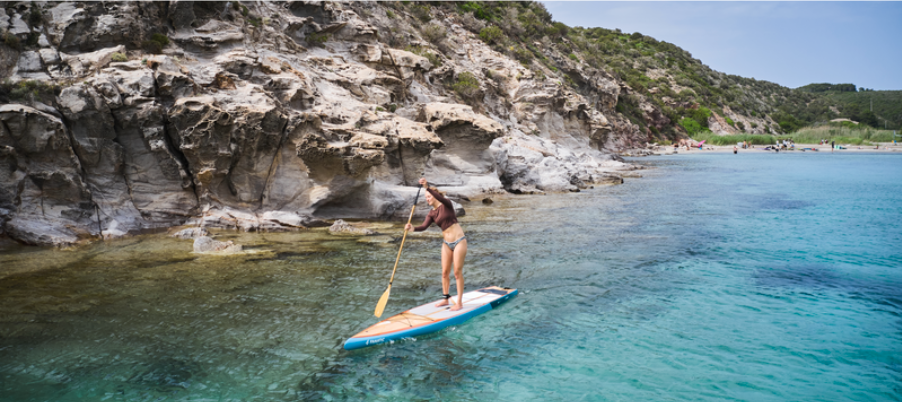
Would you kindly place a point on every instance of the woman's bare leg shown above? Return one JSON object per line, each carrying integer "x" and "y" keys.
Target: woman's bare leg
{"x": 460, "y": 253}
{"x": 447, "y": 257}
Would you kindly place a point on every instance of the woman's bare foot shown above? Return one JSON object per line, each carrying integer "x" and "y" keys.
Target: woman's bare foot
{"x": 456, "y": 306}
{"x": 443, "y": 302}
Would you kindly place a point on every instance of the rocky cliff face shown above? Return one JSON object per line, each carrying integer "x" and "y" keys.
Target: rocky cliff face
{"x": 264, "y": 116}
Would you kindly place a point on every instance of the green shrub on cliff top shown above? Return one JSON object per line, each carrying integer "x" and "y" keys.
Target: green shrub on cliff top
{"x": 477, "y": 9}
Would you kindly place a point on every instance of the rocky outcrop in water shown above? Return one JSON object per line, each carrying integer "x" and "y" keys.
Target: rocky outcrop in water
{"x": 340, "y": 227}
{"x": 278, "y": 122}
{"x": 206, "y": 244}
{"x": 190, "y": 233}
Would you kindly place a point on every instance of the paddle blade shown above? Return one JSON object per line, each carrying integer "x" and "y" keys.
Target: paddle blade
{"x": 382, "y": 302}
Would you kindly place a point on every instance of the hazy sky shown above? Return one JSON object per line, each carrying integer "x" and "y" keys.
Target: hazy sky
{"x": 789, "y": 43}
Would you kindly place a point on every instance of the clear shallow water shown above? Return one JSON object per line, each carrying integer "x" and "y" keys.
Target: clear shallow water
{"x": 750, "y": 277}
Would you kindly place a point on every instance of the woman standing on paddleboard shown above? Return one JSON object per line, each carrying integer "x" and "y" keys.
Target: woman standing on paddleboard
{"x": 454, "y": 251}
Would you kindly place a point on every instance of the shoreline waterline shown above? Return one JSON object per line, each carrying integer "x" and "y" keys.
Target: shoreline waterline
{"x": 883, "y": 148}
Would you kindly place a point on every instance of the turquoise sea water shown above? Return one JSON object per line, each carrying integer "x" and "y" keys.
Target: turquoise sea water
{"x": 714, "y": 277}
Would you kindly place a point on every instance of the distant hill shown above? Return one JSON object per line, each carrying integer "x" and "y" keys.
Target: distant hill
{"x": 887, "y": 106}
{"x": 875, "y": 108}
{"x": 658, "y": 74}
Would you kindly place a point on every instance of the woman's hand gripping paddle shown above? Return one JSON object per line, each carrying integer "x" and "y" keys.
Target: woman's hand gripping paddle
{"x": 384, "y": 299}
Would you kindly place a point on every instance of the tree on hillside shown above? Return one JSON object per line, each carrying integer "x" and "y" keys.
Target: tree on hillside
{"x": 869, "y": 118}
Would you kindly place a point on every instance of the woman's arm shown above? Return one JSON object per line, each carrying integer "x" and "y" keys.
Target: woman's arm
{"x": 425, "y": 225}
{"x": 438, "y": 196}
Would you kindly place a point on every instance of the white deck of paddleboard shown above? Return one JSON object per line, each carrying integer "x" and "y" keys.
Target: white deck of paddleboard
{"x": 472, "y": 301}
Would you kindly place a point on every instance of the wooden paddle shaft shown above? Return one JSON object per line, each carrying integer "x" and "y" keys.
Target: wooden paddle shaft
{"x": 413, "y": 208}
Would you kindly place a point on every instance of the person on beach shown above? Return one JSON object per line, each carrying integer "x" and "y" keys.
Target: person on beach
{"x": 735, "y": 150}
{"x": 454, "y": 251}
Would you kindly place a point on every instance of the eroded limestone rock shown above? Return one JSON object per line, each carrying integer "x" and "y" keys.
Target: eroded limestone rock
{"x": 41, "y": 182}
{"x": 263, "y": 130}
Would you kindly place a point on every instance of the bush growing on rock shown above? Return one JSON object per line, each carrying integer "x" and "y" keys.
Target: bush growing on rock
{"x": 422, "y": 12}
{"x": 237, "y": 6}
{"x": 163, "y": 40}
{"x": 32, "y": 39}
{"x": 467, "y": 86}
{"x": 471, "y": 23}
{"x": 118, "y": 57}
{"x": 491, "y": 34}
{"x": 156, "y": 43}
{"x": 691, "y": 126}
{"x": 434, "y": 33}
{"x": 11, "y": 40}
{"x": 477, "y": 10}
{"x": 150, "y": 46}
{"x": 5, "y": 88}
{"x": 30, "y": 88}
{"x": 432, "y": 57}
{"x": 522, "y": 55}
{"x": 34, "y": 15}
{"x": 318, "y": 40}
{"x": 700, "y": 115}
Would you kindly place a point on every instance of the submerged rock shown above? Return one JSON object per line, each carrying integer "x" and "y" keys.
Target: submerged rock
{"x": 376, "y": 239}
{"x": 190, "y": 233}
{"x": 206, "y": 244}
{"x": 342, "y": 227}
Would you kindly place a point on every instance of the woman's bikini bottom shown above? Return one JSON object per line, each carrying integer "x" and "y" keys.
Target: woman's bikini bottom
{"x": 454, "y": 243}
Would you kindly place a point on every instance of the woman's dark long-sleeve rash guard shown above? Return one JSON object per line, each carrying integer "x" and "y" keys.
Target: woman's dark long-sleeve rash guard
{"x": 443, "y": 216}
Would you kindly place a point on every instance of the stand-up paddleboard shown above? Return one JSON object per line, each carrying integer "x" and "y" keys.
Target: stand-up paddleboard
{"x": 427, "y": 318}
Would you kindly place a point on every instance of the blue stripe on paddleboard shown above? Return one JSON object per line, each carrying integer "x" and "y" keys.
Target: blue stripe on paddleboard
{"x": 357, "y": 343}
